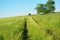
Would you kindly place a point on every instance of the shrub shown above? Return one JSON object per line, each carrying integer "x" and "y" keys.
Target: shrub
{"x": 29, "y": 14}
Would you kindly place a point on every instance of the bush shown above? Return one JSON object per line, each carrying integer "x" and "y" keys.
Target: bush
{"x": 29, "y": 14}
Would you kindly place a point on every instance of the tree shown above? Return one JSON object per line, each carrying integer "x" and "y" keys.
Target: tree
{"x": 40, "y": 8}
{"x": 50, "y": 6}
{"x": 46, "y": 8}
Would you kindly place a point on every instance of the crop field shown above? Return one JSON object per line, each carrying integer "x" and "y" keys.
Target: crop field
{"x": 39, "y": 27}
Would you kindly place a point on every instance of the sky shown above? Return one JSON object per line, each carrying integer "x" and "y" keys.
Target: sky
{"x": 10, "y": 8}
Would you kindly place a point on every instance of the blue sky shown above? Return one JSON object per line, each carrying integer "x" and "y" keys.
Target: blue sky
{"x": 21, "y": 7}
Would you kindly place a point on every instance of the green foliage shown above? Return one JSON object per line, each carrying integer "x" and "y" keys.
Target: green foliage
{"x": 40, "y": 8}
{"x": 49, "y": 7}
{"x": 29, "y": 14}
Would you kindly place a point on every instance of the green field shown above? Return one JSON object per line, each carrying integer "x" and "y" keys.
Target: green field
{"x": 40, "y": 27}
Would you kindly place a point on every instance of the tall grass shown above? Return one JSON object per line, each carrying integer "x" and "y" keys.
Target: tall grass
{"x": 39, "y": 27}
{"x": 11, "y": 28}
{"x": 50, "y": 22}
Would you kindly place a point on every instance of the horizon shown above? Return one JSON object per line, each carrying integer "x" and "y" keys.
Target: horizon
{"x": 11, "y": 8}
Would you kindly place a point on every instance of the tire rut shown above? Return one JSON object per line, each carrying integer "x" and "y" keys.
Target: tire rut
{"x": 38, "y": 24}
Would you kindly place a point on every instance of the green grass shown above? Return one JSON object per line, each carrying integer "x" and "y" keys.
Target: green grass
{"x": 40, "y": 27}
{"x": 10, "y": 27}
{"x": 49, "y": 22}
